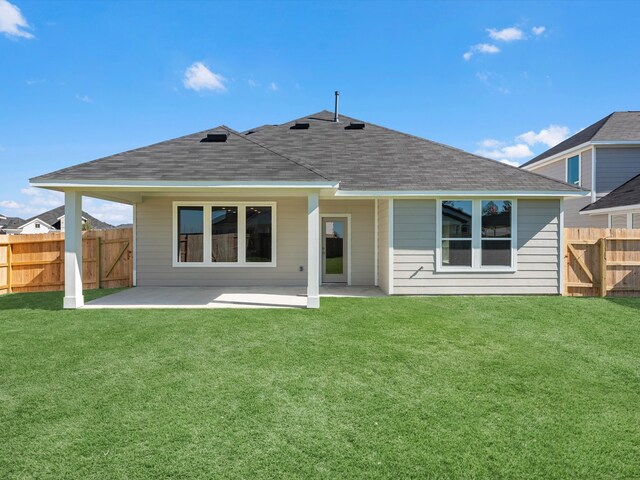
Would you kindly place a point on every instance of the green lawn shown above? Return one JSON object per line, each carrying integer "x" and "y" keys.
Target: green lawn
{"x": 445, "y": 387}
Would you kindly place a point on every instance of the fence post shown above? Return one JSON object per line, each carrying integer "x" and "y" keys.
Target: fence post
{"x": 9, "y": 266}
{"x": 98, "y": 260}
{"x": 603, "y": 267}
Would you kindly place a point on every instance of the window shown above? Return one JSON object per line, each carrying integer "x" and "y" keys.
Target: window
{"x": 224, "y": 234}
{"x": 238, "y": 234}
{"x": 37, "y": 225}
{"x": 573, "y": 170}
{"x": 476, "y": 235}
{"x": 496, "y": 233}
{"x": 258, "y": 236}
{"x": 456, "y": 233}
{"x": 190, "y": 234}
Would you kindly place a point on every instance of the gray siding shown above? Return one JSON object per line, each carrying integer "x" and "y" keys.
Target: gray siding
{"x": 383, "y": 245}
{"x": 537, "y": 258}
{"x": 556, "y": 170}
{"x": 572, "y": 206}
{"x": 362, "y": 236}
{"x": 155, "y": 243}
{"x": 614, "y": 166}
{"x": 573, "y": 218}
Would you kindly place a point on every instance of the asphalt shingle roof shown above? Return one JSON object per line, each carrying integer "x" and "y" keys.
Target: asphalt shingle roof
{"x": 373, "y": 158}
{"x": 615, "y": 127}
{"x": 189, "y": 158}
{"x": 626, "y": 194}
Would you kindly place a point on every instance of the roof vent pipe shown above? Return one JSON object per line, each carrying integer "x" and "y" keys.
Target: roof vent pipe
{"x": 335, "y": 115}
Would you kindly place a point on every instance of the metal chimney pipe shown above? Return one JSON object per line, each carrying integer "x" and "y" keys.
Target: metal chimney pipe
{"x": 335, "y": 115}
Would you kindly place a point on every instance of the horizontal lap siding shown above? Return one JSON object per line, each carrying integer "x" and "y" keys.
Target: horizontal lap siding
{"x": 615, "y": 166}
{"x": 155, "y": 243}
{"x": 415, "y": 243}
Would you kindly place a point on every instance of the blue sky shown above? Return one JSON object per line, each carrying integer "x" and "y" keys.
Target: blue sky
{"x": 81, "y": 80}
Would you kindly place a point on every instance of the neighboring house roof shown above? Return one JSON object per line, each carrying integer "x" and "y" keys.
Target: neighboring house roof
{"x": 54, "y": 215}
{"x": 615, "y": 127}
{"x": 9, "y": 223}
{"x": 317, "y": 149}
{"x": 625, "y": 195}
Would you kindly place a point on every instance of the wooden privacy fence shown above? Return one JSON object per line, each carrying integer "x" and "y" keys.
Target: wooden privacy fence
{"x": 602, "y": 262}
{"x": 35, "y": 263}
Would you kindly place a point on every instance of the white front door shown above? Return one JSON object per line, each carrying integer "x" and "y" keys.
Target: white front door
{"x": 334, "y": 250}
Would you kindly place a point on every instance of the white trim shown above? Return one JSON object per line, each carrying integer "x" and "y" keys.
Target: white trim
{"x": 338, "y": 215}
{"x": 593, "y": 174}
{"x": 578, "y": 148}
{"x": 136, "y": 184}
{"x": 135, "y": 245}
{"x": 476, "y": 238}
{"x": 558, "y": 156}
{"x": 566, "y": 170}
{"x": 498, "y": 194}
{"x": 391, "y": 266}
{"x": 241, "y": 206}
{"x": 561, "y": 267}
{"x": 375, "y": 244}
{"x": 603, "y": 211}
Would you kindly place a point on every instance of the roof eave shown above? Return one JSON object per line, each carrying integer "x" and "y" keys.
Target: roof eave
{"x": 458, "y": 193}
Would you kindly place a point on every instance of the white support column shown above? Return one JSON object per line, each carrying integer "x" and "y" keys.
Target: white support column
{"x": 313, "y": 251}
{"x": 73, "y": 297}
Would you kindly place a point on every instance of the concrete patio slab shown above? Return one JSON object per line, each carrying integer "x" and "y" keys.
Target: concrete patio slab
{"x": 223, "y": 297}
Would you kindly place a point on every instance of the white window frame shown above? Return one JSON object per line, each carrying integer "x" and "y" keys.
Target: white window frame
{"x": 476, "y": 237}
{"x": 566, "y": 169}
{"x": 242, "y": 234}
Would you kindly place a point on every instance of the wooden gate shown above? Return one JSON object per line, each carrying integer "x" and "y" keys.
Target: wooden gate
{"x": 602, "y": 262}
{"x": 35, "y": 263}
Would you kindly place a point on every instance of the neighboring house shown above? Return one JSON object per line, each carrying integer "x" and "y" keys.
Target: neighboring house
{"x": 622, "y": 206}
{"x": 599, "y": 158}
{"x": 7, "y": 224}
{"x": 224, "y": 208}
{"x": 50, "y": 221}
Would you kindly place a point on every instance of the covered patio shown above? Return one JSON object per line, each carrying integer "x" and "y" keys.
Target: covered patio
{"x": 223, "y": 297}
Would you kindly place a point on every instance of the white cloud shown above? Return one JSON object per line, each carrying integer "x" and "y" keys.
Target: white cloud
{"x": 513, "y": 163}
{"x": 11, "y": 204}
{"x": 508, "y": 152}
{"x": 510, "y": 34}
{"x": 12, "y": 23}
{"x": 110, "y": 212}
{"x": 550, "y": 136}
{"x": 481, "y": 48}
{"x": 537, "y": 31}
{"x": 84, "y": 98}
{"x": 198, "y": 77}
{"x": 33, "y": 82}
{"x": 253, "y": 83}
{"x": 490, "y": 143}
{"x": 273, "y": 87}
{"x": 43, "y": 198}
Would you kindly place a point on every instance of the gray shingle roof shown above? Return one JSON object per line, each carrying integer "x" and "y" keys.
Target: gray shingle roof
{"x": 373, "y": 158}
{"x": 189, "y": 158}
{"x": 615, "y": 127}
{"x": 626, "y": 194}
{"x": 11, "y": 222}
{"x": 378, "y": 158}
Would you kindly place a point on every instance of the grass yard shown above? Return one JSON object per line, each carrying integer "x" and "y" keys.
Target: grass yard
{"x": 493, "y": 387}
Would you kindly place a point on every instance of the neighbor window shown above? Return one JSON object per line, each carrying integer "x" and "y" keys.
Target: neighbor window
{"x": 238, "y": 234}
{"x": 573, "y": 170}
{"x": 476, "y": 234}
{"x": 37, "y": 225}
